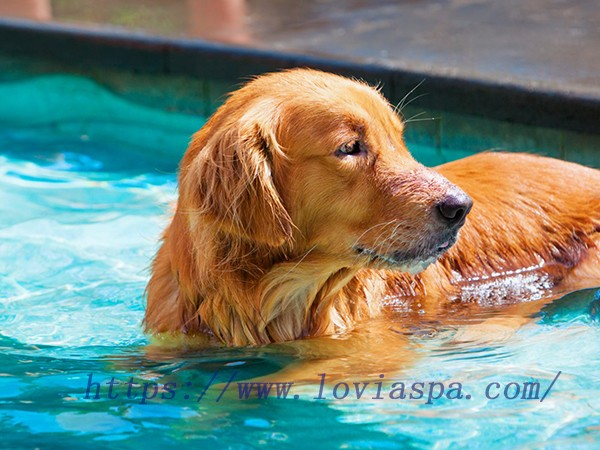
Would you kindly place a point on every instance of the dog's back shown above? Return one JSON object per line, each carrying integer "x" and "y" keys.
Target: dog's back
{"x": 530, "y": 214}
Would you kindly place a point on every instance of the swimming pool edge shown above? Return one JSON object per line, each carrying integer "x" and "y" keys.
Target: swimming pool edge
{"x": 504, "y": 100}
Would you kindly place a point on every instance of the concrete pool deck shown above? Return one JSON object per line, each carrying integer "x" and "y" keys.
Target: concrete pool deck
{"x": 529, "y": 62}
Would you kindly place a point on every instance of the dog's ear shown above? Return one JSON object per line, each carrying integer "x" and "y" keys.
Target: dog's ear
{"x": 230, "y": 181}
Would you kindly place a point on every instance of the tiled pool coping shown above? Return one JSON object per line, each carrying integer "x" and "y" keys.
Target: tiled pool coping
{"x": 492, "y": 113}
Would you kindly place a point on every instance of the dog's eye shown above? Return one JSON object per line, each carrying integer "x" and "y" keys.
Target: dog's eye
{"x": 351, "y": 148}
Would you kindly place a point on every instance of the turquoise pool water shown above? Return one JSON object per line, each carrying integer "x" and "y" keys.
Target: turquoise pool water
{"x": 86, "y": 180}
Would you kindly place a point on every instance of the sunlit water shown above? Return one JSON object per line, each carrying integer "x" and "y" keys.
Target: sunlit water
{"x": 81, "y": 210}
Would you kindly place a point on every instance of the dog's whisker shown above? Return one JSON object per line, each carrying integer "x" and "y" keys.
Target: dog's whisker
{"x": 357, "y": 257}
{"x": 426, "y": 119}
{"x": 381, "y": 238}
{"x": 382, "y": 224}
{"x": 400, "y": 105}
{"x": 401, "y": 112}
{"x": 302, "y": 259}
{"x": 413, "y": 118}
{"x": 391, "y": 239}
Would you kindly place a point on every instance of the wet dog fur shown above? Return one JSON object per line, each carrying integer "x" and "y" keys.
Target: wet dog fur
{"x": 301, "y": 213}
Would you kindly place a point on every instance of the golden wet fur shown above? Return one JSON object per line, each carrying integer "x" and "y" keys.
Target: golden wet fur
{"x": 280, "y": 234}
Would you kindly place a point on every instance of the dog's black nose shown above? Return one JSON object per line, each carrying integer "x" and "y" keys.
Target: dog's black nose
{"x": 455, "y": 207}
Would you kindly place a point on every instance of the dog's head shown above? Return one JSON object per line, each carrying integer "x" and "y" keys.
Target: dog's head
{"x": 304, "y": 159}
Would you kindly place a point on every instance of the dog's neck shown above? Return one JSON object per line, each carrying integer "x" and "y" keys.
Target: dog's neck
{"x": 306, "y": 297}
{"x": 300, "y": 293}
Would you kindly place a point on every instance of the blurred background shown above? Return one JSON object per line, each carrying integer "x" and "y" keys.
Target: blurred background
{"x": 538, "y": 42}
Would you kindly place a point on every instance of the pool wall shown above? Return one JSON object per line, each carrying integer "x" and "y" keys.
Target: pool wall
{"x": 455, "y": 116}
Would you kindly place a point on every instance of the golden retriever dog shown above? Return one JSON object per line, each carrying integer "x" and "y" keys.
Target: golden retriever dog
{"x": 302, "y": 213}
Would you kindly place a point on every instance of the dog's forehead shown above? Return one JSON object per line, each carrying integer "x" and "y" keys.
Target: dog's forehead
{"x": 341, "y": 103}
{"x": 321, "y": 110}
{"x": 350, "y": 95}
